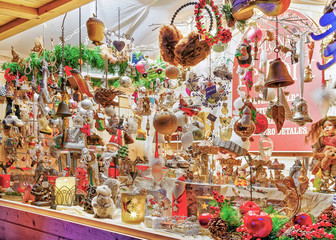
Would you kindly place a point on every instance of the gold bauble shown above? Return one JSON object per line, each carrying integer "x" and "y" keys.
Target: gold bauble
{"x": 165, "y": 122}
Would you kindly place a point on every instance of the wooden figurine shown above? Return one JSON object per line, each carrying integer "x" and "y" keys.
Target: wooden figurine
{"x": 293, "y": 194}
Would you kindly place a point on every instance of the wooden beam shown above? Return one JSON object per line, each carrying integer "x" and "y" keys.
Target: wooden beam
{"x": 12, "y": 25}
{"x": 54, "y": 5}
{"x": 15, "y": 10}
{"x": 46, "y": 13}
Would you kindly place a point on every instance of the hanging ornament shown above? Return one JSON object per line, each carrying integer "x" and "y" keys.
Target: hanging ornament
{"x": 300, "y": 106}
{"x": 95, "y": 30}
{"x": 265, "y": 147}
{"x": 268, "y": 94}
{"x": 254, "y": 35}
{"x": 172, "y": 72}
{"x": 220, "y": 47}
{"x": 243, "y": 9}
{"x": 308, "y": 75}
{"x": 249, "y": 80}
{"x": 261, "y": 123}
{"x": 244, "y": 127}
{"x": 119, "y": 44}
{"x": 125, "y": 81}
{"x": 165, "y": 122}
{"x": 269, "y": 110}
{"x": 223, "y": 35}
{"x": 278, "y": 75}
{"x": 142, "y": 66}
{"x": 278, "y": 115}
{"x": 243, "y": 54}
{"x": 300, "y": 112}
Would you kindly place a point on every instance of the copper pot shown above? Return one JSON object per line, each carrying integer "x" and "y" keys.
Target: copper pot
{"x": 165, "y": 122}
{"x": 95, "y": 29}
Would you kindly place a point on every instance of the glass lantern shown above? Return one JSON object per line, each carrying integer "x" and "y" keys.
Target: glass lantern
{"x": 133, "y": 207}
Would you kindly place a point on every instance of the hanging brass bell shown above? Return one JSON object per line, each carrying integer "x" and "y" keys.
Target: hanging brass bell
{"x": 63, "y": 110}
{"x": 300, "y": 112}
{"x": 278, "y": 75}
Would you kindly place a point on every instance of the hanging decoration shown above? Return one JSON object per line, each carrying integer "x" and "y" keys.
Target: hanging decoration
{"x": 121, "y": 48}
{"x": 176, "y": 49}
{"x": 327, "y": 19}
{"x": 243, "y": 9}
{"x": 209, "y": 91}
{"x": 223, "y": 35}
{"x": 300, "y": 106}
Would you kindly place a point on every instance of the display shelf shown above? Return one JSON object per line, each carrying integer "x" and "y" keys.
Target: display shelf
{"x": 41, "y": 223}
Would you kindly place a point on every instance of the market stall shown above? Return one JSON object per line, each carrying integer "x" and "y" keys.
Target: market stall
{"x": 168, "y": 120}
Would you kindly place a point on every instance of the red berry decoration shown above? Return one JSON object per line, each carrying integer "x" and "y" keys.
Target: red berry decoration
{"x": 302, "y": 219}
{"x": 248, "y": 206}
{"x": 222, "y": 34}
{"x": 258, "y": 224}
{"x": 204, "y": 219}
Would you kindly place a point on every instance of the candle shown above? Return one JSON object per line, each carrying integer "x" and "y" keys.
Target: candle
{"x": 133, "y": 207}
{"x": 65, "y": 189}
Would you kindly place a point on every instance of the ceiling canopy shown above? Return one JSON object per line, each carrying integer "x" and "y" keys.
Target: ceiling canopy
{"x": 139, "y": 18}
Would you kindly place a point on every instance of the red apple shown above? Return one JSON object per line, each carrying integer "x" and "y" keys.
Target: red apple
{"x": 258, "y": 224}
{"x": 302, "y": 219}
{"x": 248, "y": 206}
{"x": 204, "y": 219}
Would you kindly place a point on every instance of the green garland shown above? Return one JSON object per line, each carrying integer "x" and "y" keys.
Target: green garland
{"x": 92, "y": 57}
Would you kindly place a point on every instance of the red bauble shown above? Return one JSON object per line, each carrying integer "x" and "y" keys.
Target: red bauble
{"x": 302, "y": 219}
{"x": 261, "y": 123}
{"x": 258, "y": 224}
{"x": 248, "y": 206}
{"x": 204, "y": 219}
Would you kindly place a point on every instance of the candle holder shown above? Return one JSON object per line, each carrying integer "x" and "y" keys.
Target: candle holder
{"x": 65, "y": 191}
{"x": 133, "y": 207}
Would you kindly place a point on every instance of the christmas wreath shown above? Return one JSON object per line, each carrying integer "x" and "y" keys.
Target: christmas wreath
{"x": 222, "y": 34}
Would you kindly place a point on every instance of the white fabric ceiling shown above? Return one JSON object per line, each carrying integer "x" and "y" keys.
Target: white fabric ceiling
{"x": 137, "y": 16}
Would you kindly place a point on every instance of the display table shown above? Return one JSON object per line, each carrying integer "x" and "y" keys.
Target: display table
{"x": 312, "y": 202}
{"x": 23, "y": 221}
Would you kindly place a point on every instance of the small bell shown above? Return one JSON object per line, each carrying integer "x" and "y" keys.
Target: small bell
{"x": 300, "y": 112}
{"x": 63, "y": 110}
{"x": 278, "y": 75}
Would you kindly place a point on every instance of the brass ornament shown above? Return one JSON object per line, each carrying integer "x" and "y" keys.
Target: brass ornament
{"x": 165, "y": 122}
{"x": 278, "y": 75}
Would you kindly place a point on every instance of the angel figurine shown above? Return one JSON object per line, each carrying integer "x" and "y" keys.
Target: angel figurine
{"x": 293, "y": 194}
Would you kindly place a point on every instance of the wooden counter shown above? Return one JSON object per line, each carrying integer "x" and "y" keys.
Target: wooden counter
{"x": 22, "y": 221}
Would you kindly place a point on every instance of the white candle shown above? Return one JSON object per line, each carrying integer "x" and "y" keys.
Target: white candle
{"x": 65, "y": 190}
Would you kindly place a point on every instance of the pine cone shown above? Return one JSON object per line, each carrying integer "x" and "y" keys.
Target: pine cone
{"x": 217, "y": 228}
{"x": 330, "y": 213}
